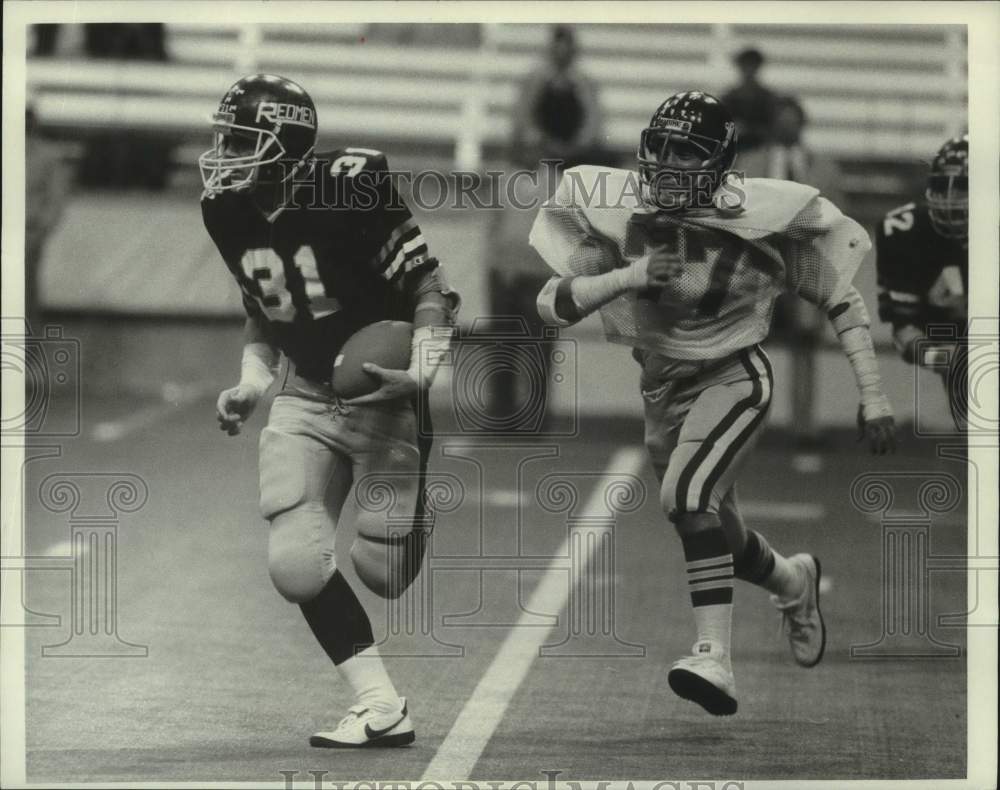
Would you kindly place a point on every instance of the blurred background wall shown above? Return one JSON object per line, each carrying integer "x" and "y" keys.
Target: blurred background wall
{"x": 120, "y": 113}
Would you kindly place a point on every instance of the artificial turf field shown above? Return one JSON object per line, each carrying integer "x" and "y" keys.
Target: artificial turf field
{"x": 233, "y": 683}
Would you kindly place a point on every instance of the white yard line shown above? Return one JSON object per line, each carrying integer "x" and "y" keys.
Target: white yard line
{"x": 173, "y": 398}
{"x": 762, "y": 510}
{"x": 484, "y": 710}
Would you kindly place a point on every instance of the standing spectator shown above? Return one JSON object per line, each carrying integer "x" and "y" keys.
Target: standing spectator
{"x": 786, "y": 156}
{"x": 46, "y": 187}
{"x": 800, "y": 323}
{"x": 558, "y": 113}
{"x": 750, "y": 102}
{"x": 556, "y": 117}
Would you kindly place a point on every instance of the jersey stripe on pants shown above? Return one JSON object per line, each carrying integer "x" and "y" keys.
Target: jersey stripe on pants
{"x": 713, "y": 457}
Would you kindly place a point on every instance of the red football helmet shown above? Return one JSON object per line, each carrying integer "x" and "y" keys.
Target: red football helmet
{"x": 265, "y": 130}
{"x": 947, "y": 192}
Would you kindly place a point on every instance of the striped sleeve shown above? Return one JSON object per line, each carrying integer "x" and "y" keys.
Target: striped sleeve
{"x": 404, "y": 250}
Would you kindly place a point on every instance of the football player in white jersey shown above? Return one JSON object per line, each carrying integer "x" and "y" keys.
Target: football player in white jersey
{"x": 684, "y": 262}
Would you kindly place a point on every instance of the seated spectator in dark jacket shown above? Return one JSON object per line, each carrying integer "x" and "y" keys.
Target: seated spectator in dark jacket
{"x": 750, "y": 102}
{"x": 558, "y": 113}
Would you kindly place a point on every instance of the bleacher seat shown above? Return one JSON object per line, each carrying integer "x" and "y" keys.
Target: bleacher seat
{"x": 871, "y": 92}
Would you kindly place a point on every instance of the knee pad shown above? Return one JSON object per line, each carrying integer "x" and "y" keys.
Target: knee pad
{"x": 387, "y": 557}
{"x": 300, "y": 556}
{"x": 293, "y": 471}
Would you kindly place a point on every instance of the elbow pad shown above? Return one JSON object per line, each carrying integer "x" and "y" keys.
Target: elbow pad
{"x": 555, "y": 302}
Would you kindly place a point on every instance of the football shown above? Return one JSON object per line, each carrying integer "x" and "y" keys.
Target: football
{"x": 385, "y": 343}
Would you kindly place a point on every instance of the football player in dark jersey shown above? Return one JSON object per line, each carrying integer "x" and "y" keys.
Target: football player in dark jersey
{"x": 923, "y": 272}
{"x": 321, "y": 245}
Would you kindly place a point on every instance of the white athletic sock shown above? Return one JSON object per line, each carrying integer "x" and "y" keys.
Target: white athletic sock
{"x": 786, "y": 580}
{"x": 710, "y": 583}
{"x": 367, "y": 677}
{"x": 715, "y": 623}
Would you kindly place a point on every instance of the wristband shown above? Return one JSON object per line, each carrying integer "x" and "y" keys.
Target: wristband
{"x": 429, "y": 350}
{"x": 935, "y": 357}
{"x": 257, "y": 368}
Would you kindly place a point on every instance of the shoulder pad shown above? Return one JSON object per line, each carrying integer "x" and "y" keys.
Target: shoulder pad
{"x": 593, "y": 187}
{"x": 769, "y": 206}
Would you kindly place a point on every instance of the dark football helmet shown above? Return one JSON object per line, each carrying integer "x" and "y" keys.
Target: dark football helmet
{"x": 686, "y": 151}
{"x": 265, "y": 130}
{"x": 948, "y": 189}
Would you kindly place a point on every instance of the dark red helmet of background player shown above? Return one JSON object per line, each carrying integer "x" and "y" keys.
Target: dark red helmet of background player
{"x": 265, "y": 130}
{"x": 948, "y": 189}
{"x": 695, "y": 123}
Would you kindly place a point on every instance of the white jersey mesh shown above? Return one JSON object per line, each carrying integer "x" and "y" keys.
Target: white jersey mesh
{"x": 735, "y": 265}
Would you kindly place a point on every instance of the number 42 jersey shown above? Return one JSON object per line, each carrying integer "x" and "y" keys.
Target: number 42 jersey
{"x": 344, "y": 253}
{"x": 782, "y": 236}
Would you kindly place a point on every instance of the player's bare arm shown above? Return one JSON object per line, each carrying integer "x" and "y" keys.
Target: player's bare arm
{"x": 235, "y": 405}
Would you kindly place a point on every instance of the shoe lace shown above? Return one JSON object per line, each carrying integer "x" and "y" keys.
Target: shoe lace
{"x": 794, "y": 618}
{"x": 353, "y": 713}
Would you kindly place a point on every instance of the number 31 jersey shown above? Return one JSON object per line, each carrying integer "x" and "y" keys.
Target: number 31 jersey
{"x": 344, "y": 253}
{"x": 783, "y": 236}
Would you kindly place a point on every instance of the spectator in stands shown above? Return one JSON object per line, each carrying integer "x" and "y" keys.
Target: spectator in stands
{"x": 120, "y": 159}
{"x": 46, "y": 40}
{"x": 46, "y": 189}
{"x": 556, "y": 117}
{"x": 786, "y": 156}
{"x": 799, "y": 323}
{"x": 750, "y": 102}
{"x": 558, "y": 113}
{"x": 126, "y": 41}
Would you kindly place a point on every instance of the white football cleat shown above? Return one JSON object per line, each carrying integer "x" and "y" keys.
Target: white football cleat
{"x": 705, "y": 677}
{"x": 801, "y": 618}
{"x": 364, "y": 728}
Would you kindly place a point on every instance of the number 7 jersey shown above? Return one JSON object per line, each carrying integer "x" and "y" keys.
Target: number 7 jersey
{"x": 736, "y": 262}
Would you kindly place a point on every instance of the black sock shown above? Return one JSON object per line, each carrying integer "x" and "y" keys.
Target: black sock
{"x": 757, "y": 560}
{"x": 338, "y": 621}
